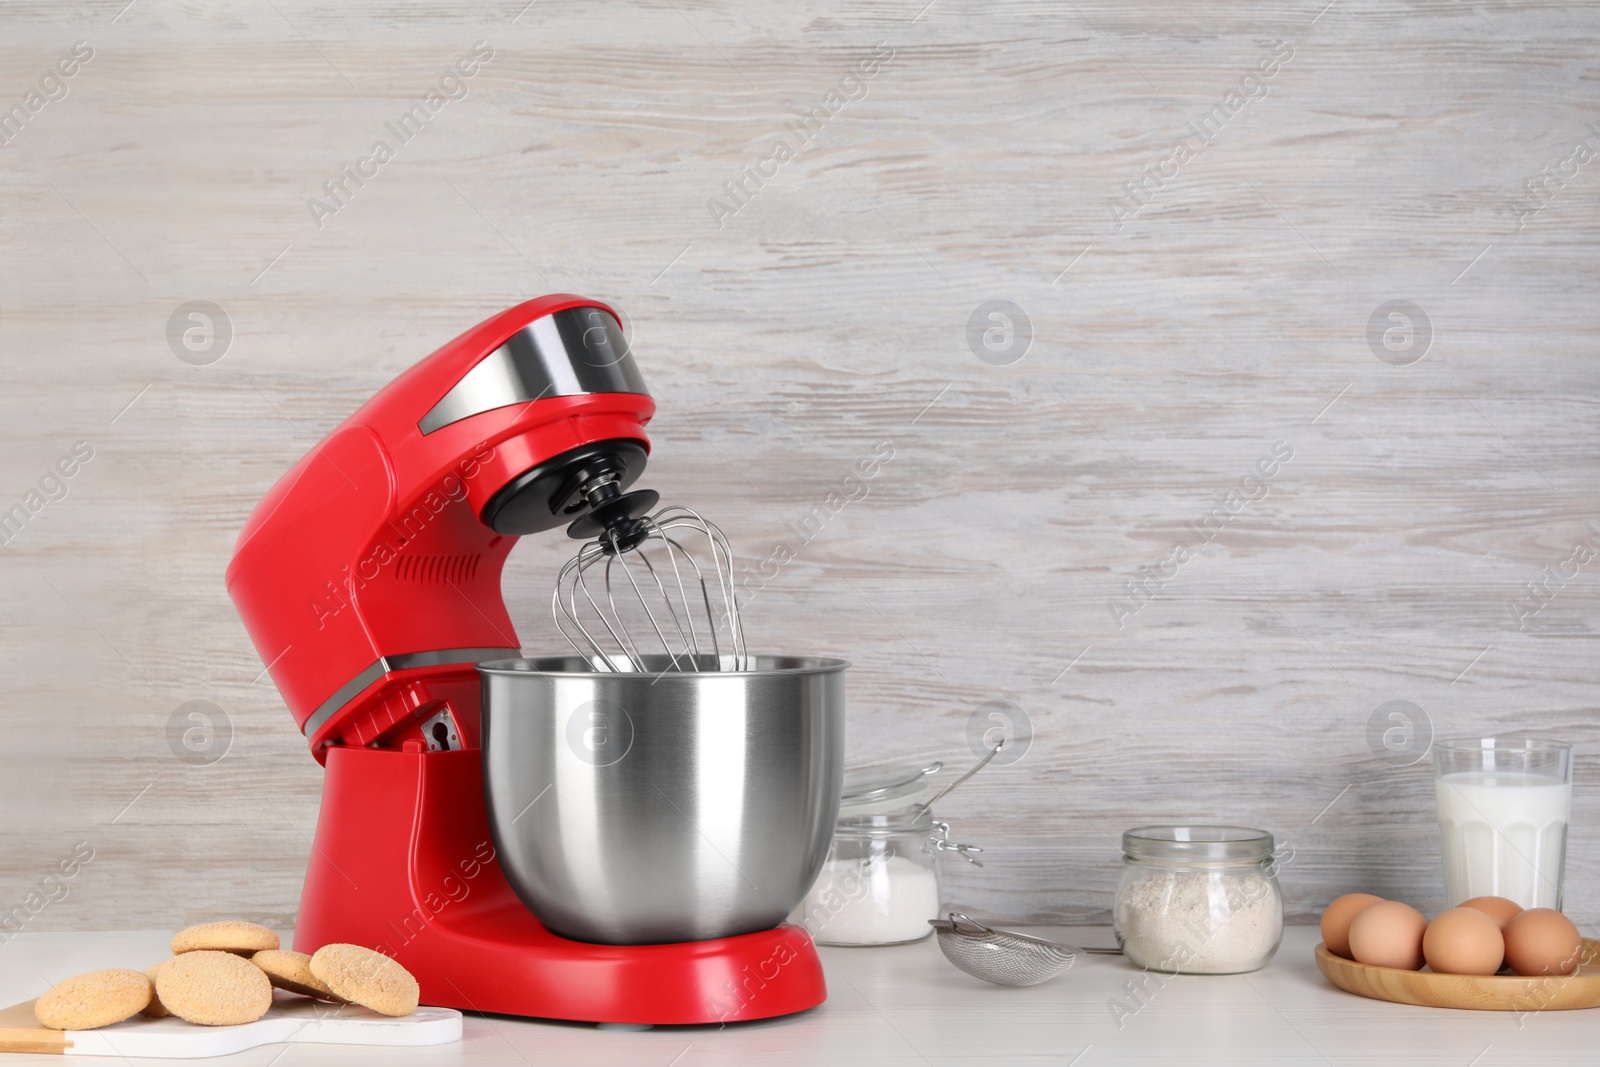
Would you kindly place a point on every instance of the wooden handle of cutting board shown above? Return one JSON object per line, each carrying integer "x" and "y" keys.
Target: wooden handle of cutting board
{"x": 20, "y": 1032}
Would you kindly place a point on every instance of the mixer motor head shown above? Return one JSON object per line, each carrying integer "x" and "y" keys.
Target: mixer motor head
{"x": 369, "y": 577}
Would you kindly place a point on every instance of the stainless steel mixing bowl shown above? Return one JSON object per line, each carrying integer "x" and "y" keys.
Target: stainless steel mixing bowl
{"x": 647, "y": 808}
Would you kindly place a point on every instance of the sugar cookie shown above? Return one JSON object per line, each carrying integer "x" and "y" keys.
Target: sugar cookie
{"x": 291, "y": 970}
{"x": 155, "y": 1009}
{"x": 213, "y": 988}
{"x": 98, "y": 998}
{"x": 368, "y": 978}
{"x": 240, "y": 938}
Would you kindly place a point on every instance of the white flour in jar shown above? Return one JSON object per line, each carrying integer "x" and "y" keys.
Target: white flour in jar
{"x": 1197, "y": 922}
{"x": 878, "y": 901}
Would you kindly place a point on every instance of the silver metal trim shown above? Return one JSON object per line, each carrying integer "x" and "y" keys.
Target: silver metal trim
{"x": 572, "y": 352}
{"x": 403, "y": 661}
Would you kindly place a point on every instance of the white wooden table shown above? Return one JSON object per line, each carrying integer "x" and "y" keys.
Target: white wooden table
{"x": 906, "y": 1005}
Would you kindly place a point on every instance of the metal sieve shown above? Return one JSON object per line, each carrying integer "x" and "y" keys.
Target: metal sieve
{"x": 1004, "y": 957}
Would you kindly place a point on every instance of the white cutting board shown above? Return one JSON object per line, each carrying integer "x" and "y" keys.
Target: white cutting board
{"x": 290, "y": 1019}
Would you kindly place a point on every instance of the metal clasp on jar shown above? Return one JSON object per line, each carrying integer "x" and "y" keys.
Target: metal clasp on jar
{"x": 942, "y": 843}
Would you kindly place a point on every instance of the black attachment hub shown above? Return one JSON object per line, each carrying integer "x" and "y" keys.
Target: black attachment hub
{"x": 615, "y": 518}
{"x": 545, "y": 496}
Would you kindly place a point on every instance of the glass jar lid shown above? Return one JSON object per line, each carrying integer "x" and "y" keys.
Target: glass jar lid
{"x": 883, "y": 788}
{"x": 1197, "y": 845}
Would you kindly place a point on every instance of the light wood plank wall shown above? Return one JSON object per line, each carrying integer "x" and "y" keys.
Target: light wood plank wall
{"x": 1425, "y": 152}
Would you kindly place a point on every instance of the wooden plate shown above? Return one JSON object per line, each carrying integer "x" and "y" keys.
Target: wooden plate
{"x": 1493, "y": 993}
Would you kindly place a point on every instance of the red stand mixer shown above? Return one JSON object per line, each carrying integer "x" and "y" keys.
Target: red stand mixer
{"x": 369, "y": 581}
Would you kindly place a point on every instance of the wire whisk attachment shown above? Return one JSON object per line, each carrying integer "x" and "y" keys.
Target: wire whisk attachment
{"x": 662, "y": 593}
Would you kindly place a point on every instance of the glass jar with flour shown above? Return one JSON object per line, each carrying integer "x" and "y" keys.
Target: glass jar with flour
{"x": 880, "y": 884}
{"x": 1198, "y": 899}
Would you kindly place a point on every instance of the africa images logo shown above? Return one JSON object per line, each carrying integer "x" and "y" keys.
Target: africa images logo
{"x": 739, "y": 191}
{"x": 341, "y": 190}
{"x": 1198, "y": 134}
{"x": 52, "y": 87}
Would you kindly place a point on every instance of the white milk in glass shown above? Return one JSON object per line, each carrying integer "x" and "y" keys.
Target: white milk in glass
{"x": 1504, "y": 835}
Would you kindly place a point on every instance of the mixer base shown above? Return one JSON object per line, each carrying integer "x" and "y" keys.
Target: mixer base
{"x": 403, "y": 863}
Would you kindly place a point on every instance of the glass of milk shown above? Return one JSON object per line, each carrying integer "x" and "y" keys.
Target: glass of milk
{"x": 1504, "y": 803}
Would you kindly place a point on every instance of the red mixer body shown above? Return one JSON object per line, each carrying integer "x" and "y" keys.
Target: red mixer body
{"x": 369, "y": 558}
{"x": 369, "y": 581}
{"x": 416, "y": 877}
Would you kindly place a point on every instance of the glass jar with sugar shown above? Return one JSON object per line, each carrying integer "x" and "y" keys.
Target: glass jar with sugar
{"x": 880, "y": 884}
{"x": 1198, "y": 899}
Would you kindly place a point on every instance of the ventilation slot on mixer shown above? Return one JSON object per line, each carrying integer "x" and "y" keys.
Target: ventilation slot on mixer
{"x": 434, "y": 569}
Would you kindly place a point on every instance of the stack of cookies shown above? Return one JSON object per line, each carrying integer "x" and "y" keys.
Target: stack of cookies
{"x": 223, "y": 974}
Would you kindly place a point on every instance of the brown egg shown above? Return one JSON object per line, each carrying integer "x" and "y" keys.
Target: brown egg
{"x": 1388, "y": 934}
{"x": 1463, "y": 941}
{"x": 1542, "y": 941}
{"x": 1499, "y": 909}
{"x": 1336, "y": 921}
